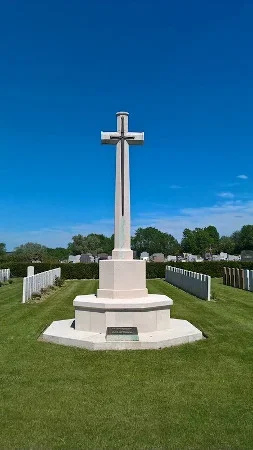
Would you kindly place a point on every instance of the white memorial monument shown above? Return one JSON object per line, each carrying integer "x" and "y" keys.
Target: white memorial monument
{"x": 122, "y": 315}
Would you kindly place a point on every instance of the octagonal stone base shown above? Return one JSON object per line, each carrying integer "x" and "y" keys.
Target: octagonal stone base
{"x": 63, "y": 332}
{"x": 151, "y": 316}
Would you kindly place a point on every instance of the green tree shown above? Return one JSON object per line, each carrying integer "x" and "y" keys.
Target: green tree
{"x": 246, "y": 238}
{"x": 2, "y": 249}
{"x": 29, "y": 252}
{"x": 200, "y": 240}
{"x": 213, "y": 238}
{"x": 203, "y": 240}
{"x": 78, "y": 246}
{"x": 152, "y": 240}
{"x": 188, "y": 243}
{"x": 172, "y": 246}
{"x": 227, "y": 245}
{"x": 92, "y": 243}
{"x": 58, "y": 253}
{"x": 107, "y": 244}
{"x": 236, "y": 236}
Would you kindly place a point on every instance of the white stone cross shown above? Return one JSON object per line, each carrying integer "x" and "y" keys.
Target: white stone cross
{"x": 122, "y": 138}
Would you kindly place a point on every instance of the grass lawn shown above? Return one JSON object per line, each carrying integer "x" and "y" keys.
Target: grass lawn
{"x": 197, "y": 396}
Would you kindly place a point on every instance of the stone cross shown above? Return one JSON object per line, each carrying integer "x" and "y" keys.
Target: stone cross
{"x": 122, "y": 138}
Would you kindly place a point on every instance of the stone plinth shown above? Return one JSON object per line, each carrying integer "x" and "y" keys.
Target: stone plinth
{"x": 122, "y": 279}
{"x": 151, "y": 316}
{"x": 151, "y": 313}
{"x": 63, "y": 332}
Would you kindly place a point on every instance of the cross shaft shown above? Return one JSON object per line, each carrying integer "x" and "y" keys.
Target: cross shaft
{"x": 122, "y": 138}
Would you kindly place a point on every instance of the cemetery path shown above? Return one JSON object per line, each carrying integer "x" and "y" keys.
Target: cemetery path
{"x": 189, "y": 397}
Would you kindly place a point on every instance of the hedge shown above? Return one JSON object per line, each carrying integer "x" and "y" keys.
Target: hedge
{"x": 212, "y": 268}
{"x": 68, "y": 271}
{"x": 154, "y": 270}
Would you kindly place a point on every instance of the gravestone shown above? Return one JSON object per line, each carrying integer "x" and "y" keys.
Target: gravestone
{"x": 247, "y": 255}
{"x": 158, "y": 257}
{"x": 237, "y": 278}
{"x": 229, "y": 276}
{"x": 234, "y": 258}
{"x": 251, "y": 280}
{"x": 74, "y": 258}
{"x": 30, "y": 271}
{"x": 246, "y": 279}
{"x": 233, "y": 277}
{"x": 225, "y": 276}
{"x": 103, "y": 256}
{"x": 171, "y": 258}
{"x": 241, "y": 279}
{"x": 86, "y": 258}
{"x": 144, "y": 256}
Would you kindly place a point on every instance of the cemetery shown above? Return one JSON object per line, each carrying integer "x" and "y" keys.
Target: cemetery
{"x": 170, "y": 370}
{"x": 126, "y": 258}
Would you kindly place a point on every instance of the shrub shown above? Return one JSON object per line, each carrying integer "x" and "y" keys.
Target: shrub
{"x": 212, "y": 268}
{"x": 43, "y": 291}
{"x": 154, "y": 270}
{"x": 58, "y": 281}
{"x": 68, "y": 271}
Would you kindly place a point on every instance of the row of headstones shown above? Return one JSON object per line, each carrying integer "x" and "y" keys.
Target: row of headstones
{"x": 87, "y": 258}
{"x": 238, "y": 278}
{"x": 195, "y": 283}
{"x": 5, "y": 274}
{"x": 35, "y": 283}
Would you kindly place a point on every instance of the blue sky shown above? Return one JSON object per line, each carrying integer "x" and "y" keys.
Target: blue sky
{"x": 183, "y": 70}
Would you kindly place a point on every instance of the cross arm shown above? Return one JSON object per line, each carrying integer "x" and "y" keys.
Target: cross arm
{"x": 109, "y": 138}
{"x": 135, "y": 138}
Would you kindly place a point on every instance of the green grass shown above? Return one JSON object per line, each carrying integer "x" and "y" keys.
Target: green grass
{"x": 197, "y": 396}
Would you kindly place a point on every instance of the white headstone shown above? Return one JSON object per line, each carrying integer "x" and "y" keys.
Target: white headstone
{"x": 30, "y": 271}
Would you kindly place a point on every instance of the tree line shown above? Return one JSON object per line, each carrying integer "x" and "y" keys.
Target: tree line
{"x": 197, "y": 241}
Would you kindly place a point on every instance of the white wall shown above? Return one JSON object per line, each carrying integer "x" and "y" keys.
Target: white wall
{"x": 195, "y": 283}
{"x": 35, "y": 283}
